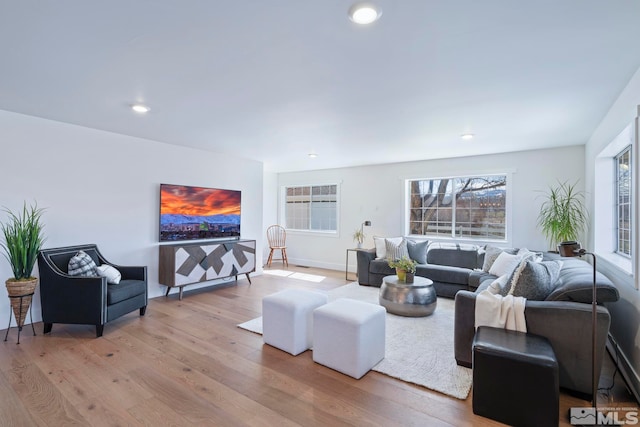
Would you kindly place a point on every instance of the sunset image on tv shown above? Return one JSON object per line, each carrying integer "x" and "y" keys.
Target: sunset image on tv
{"x": 188, "y": 213}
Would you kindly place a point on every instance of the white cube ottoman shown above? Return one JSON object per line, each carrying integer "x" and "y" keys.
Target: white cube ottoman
{"x": 287, "y": 319}
{"x": 349, "y": 336}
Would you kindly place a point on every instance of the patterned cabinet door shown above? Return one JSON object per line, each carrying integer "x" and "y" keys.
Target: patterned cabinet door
{"x": 244, "y": 256}
{"x": 209, "y": 261}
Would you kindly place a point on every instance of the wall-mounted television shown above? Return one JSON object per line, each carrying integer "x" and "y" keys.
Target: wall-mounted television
{"x": 191, "y": 213}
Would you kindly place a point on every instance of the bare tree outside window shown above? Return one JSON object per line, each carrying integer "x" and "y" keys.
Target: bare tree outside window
{"x": 468, "y": 207}
{"x": 623, "y": 201}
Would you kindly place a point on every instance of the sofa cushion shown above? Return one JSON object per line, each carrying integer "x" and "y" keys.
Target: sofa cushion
{"x": 395, "y": 251}
{"x": 576, "y": 284}
{"x": 533, "y": 256}
{"x": 491, "y": 253}
{"x": 81, "y": 264}
{"x": 381, "y": 248}
{"x": 111, "y": 273}
{"x": 381, "y": 266}
{"x": 477, "y": 277}
{"x": 534, "y": 280}
{"x": 418, "y": 250}
{"x": 444, "y": 273}
{"x": 452, "y": 254}
{"x": 504, "y": 264}
{"x": 124, "y": 290}
{"x": 497, "y": 287}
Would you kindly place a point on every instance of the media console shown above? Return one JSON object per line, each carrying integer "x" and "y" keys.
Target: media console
{"x": 184, "y": 264}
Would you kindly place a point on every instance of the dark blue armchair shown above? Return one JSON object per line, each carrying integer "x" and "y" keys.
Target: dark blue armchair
{"x": 87, "y": 300}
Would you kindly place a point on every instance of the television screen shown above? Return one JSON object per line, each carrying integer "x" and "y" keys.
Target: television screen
{"x": 190, "y": 213}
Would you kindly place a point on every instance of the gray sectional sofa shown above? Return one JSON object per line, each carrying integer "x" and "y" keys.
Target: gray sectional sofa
{"x": 449, "y": 265}
{"x": 563, "y": 317}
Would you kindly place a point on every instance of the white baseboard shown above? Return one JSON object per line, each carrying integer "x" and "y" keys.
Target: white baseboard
{"x": 313, "y": 263}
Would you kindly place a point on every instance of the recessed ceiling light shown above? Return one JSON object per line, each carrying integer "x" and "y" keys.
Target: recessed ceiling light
{"x": 364, "y": 13}
{"x": 140, "y": 108}
{"x": 467, "y": 136}
{"x": 313, "y": 155}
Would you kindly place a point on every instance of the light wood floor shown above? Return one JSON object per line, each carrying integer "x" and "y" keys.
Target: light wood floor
{"x": 187, "y": 363}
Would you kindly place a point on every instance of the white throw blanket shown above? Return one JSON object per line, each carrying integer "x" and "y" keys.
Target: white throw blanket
{"x": 500, "y": 312}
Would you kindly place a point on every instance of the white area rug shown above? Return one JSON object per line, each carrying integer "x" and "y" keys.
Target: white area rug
{"x": 418, "y": 350}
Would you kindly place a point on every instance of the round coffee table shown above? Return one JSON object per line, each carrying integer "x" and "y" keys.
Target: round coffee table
{"x": 417, "y": 299}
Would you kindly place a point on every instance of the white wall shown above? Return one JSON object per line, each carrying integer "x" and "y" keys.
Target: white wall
{"x": 625, "y": 313}
{"x": 376, "y": 193}
{"x": 269, "y": 208}
{"x": 100, "y": 187}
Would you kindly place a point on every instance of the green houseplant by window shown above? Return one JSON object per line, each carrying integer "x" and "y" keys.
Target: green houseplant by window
{"x": 563, "y": 217}
{"x": 23, "y": 238}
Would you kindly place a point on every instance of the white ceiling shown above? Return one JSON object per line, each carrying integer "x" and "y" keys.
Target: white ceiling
{"x": 275, "y": 80}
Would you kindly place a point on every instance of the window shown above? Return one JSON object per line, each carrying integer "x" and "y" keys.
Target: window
{"x": 623, "y": 201}
{"x": 467, "y": 207}
{"x": 615, "y": 214}
{"x": 311, "y": 208}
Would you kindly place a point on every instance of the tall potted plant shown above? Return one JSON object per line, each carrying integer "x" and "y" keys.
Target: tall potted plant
{"x": 23, "y": 238}
{"x": 563, "y": 217}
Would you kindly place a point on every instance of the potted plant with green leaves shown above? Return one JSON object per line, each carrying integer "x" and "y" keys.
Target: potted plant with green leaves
{"x": 23, "y": 238}
{"x": 563, "y": 217}
{"x": 405, "y": 268}
{"x": 358, "y": 237}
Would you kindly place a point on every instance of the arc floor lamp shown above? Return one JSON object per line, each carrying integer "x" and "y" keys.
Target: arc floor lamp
{"x": 594, "y": 313}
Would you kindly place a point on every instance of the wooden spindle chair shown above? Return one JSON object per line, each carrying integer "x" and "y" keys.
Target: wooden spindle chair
{"x": 277, "y": 237}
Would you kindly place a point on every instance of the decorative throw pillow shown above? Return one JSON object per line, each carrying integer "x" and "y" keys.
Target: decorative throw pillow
{"x": 491, "y": 253}
{"x": 381, "y": 247}
{"x": 417, "y": 250}
{"x": 111, "y": 273}
{"x": 396, "y": 250}
{"x": 534, "y": 280}
{"x": 498, "y": 285}
{"x": 504, "y": 264}
{"x": 533, "y": 256}
{"x": 81, "y": 264}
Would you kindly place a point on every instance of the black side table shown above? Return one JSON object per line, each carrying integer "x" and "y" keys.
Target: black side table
{"x": 20, "y": 315}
